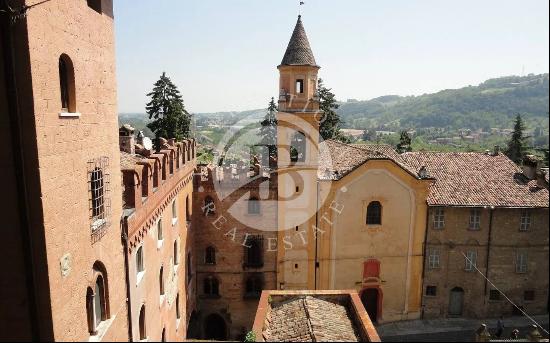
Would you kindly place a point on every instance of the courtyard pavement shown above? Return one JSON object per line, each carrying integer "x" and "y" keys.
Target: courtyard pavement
{"x": 452, "y": 329}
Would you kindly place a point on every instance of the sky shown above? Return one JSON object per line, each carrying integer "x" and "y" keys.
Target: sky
{"x": 223, "y": 54}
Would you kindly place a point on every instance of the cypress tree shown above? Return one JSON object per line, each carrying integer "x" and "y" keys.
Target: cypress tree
{"x": 330, "y": 126}
{"x": 268, "y": 129}
{"x": 171, "y": 119}
{"x": 517, "y": 146}
{"x": 404, "y": 143}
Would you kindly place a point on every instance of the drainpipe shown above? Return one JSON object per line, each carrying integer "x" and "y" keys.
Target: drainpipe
{"x": 489, "y": 238}
{"x": 124, "y": 236}
{"x": 14, "y": 113}
{"x": 424, "y": 259}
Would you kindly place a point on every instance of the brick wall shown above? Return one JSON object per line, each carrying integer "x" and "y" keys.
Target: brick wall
{"x": 497, "y": 261}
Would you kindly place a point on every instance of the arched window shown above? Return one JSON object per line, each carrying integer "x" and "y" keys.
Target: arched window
{"x": 374, "y": 213}
{"x": 187, "y": 209}
{"x": 139, "y": 260}
{"x": 161, "y": 280}
{"x": 142, "y": 327}
{"x": 176, "y": 253}
{"x": 97, "y": 306}
{"x": 210, "y": 255}
{"x": 160, "y": 235}
{"x": 211, "y": 286}
{"x": 189, "y": 274}
{"x": 178, "y": 313}
{"x": 254, "y": 286}
{"x": 253, "y": 206}
{"x": 174, "y": 211}
{"x": 298, "y": 147}
{"x": 209, "y": 206}
{"x": 66, "y": 84}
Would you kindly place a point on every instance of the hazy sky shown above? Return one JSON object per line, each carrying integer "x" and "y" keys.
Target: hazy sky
{"x": 223, "y": 54}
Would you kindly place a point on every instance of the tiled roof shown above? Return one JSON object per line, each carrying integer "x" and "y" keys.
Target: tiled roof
{"x": 299, "y": 51}
{"x": 129, "y": 161}
{"x": 309, "y": 319}
{"x": 337, "y": 159}
{"x": 477, "y": 179}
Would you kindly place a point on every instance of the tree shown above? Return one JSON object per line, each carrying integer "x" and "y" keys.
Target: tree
{"x": 517, "y": 146}
{"x": 166, "y": 107}
{"x": 330, "y": 125}
{"x": 404, "y": 143}
{"x": 268, "y": 129}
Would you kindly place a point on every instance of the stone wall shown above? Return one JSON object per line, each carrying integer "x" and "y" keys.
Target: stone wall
{"x": 497, "y": 261}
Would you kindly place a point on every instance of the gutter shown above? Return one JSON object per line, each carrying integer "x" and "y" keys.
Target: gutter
{"x": 316, "y": 266}
{"x": 124, "y": 238}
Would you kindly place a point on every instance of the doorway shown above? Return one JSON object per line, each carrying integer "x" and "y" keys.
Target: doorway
{"x": 215, "y": 328}
{"x": 370, "y": 299}
{"x": 456, "y": 301}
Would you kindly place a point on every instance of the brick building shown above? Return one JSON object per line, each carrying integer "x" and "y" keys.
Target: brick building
{"x": 486, "y": 216}
{"x": 234, "y": 260}
{"x": 157, "y": 236}
{"x": 63, "y": 203}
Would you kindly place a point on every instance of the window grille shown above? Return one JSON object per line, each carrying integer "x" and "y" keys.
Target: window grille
{"x": 99, "y": 196}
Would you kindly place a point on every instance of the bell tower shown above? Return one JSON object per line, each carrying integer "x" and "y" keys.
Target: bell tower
{"x": 297, "y": 142}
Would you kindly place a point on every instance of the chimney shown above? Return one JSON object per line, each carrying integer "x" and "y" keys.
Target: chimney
{"x": 541, "y": 179}
{"x": 529, "y": 167}
{"x": 423, "y": 172}
{"x": 126, "y": 139}
{"x": 140, "y": 136}
{"x": 497, "y": 150}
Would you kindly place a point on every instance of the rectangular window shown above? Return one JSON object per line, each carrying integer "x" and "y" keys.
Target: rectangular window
{"x": 431, "y": 291}
{"x": 254, "y": 252}
{"x": 475, "y": 219}
{"x": 529, "y": 295}
{"x": 521, "y": 262}
{"x": 433, "y": 259}
{"x": 471, "y": 261}
{"x": 98, "y": 196}
{"x": 439, "y": 218}
{"x": 494, "y": 295}
{"x": 299, "y": 86}
{"x": 525, "y": 221}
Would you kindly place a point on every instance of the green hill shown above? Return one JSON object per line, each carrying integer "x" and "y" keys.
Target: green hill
{"x": 490, "y": 104}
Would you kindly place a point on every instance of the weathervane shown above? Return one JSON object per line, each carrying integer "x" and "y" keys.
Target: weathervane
{"x": 300, "y": 7}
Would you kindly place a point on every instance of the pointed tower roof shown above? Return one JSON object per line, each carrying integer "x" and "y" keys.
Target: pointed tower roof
{"x": 299, "y": 51}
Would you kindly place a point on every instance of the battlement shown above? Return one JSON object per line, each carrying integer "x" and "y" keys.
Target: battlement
{"x": 235, "y": 175}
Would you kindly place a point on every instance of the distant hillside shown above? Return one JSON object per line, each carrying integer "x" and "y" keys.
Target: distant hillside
{"x": 491, "y": 104}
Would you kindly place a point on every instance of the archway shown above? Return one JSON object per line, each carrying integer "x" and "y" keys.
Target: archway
{"x": 456, "y": 301}
{"x": 215, "y": 328}
{"x": 371, "y": 299}
{"x": 194, "y": 329}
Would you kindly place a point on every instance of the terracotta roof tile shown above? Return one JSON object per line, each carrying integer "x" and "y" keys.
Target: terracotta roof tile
{"x": 309, "y": 319}
{"x": 337, "y": 159}
{"x": 129, "y": 161}
{"x": 477, "y": 179}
